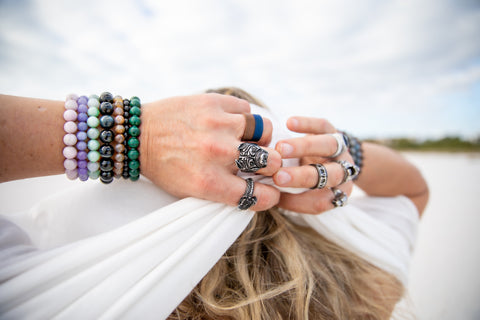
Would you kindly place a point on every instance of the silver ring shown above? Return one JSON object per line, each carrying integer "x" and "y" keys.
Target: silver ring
{"x": 322, "y": 176}
{"x": 251, "y": 158}
{"x": 341, "y": 146}
{"x": 248, "y": 199}
{"x": 350, "y": 171}
{"x": 339, "y": 198}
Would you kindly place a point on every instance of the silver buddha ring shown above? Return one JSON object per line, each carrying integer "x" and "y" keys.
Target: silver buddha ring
{"x": 350, "y": 171}
{"x": 251, "y": 158}
{"x": 339, "y": 198}
{"x": 341, "y": 144}
{"x": 322, "y": 176}
{"x": 248, "y": 199}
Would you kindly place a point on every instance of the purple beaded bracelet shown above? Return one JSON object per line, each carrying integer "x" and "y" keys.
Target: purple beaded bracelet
{"x": 81, "y": 145}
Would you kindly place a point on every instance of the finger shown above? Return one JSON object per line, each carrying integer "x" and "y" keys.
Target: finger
{"x": 241, "y": 126}
{"x": 227, "y": 188}
{"x": 320, "y": 145}
{"x": 274, "y": 163}
{"x": 310, "y": 202}
{"x": 307, "y": 176}
{"x": 231, "y": 104}
{"x": 310, "y": 125}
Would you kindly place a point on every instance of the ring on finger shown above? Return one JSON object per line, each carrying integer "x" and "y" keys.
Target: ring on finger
{"x": 350, "y": 171}
{"x": 339, "y": 198}
{"x": 253, "y": 127}
{"x": 322, "y": 176}
{"x": 252, "y": 158}
{"x": 248, "y": 199}
{"x": 341, "y": 144}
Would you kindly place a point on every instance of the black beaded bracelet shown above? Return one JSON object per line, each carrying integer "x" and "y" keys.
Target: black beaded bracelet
{"x": 126, "y": 116}
{"x": 356, "y": 151}
{"x": 106, "y": 136}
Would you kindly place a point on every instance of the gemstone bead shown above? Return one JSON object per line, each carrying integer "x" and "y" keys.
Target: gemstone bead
{"x": 81, "y": 146}
{"x": 82, "y": 108}
{"x": 134, "y": 178}
{"x": 125, "y": 174}
{"x": 134, "y": 121}
{"x": 82, "y": 100}
{"x": 82, "y": 126}
{"x": 93, "y": 103}
{"x": 133, "y": 154}
{"x": 82, "y": 164}
{"x": 93, "y": 133}
{"x": 70, "y": 127}
{"x": 83, "y": 177}
{"x": 106, "y": 151}
{"x": 118, "y": 99}
{"x": 106, "y": 164}
{"x": 93, "y": 145}
{"x": 82, "y": 117}
{"x": 82, "y": 155}
{"x": 135, "y": 102}
{"x": 119, "y": 138}
{"x": 133, "y": 142}
{"x": 93, "y": 166}
{"x": 70, "y": 115}
{"x": 107, "y": 121}
{"x": 94, "y": 174}
{"x": 82, "y": 171}
{"x": 106, "y": 97}
{"x": 134, "y": 131}
{"x": 134, "y": 164}
{"x": 71, "y": 174}
{"x": 93, "y": 156}
{"x": 135, "y": 111}
{"x": 93, "y": 122}
{"x": 93, "y": 112}
{"x": 70, "y": 164}
{"x": 119, "y": 119}
{"x": 72, "y": 96}
{"x": 106, "y": 136}
{"x": 69, "y": 152}
{"x": 69, "y": 139}
{"x": 119, "y": 129}
{"x": 118, "y": 165}
{"x": 134, "y": 172}
{"x": 81, "y": 136}
{"x": 119, "y": 148}
{"x": 71, "y": 105}
{"x": 106, "y": 108}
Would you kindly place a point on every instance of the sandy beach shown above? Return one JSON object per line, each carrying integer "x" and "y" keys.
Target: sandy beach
{"x": 444, "y": 278}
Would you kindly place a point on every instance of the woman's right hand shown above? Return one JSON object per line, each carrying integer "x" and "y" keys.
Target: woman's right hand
{"x": 189, "y": 144}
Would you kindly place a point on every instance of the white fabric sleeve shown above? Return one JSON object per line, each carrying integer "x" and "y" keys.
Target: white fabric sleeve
{"x": 382, "y": 230}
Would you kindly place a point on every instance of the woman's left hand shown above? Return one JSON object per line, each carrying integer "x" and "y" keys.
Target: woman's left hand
{"x": 314, "y": 148}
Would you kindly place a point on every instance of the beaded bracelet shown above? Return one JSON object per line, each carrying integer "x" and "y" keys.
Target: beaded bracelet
{"x": 93, "y": 133}
{"x": 133, "y": 142}
{"x": 106, "y": 136}
{"x": 70, "y": 138}
{"x": 356, "y": 151}
{"x": 119, "y": 130}
{"x": 81, "y": 145}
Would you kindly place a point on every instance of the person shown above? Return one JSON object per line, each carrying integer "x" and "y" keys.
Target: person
{"x": 286, "y": 261}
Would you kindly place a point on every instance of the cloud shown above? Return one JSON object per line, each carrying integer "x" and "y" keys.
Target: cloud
{"x": 348, "y": 61}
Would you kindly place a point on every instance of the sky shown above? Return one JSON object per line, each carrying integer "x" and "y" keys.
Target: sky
{"x": 377, "y": 69}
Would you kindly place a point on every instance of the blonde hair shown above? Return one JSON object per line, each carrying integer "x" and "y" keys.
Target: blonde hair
{"x": 279, "y": 270}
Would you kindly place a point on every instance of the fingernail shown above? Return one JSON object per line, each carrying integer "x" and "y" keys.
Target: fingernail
{"x": 293, "y": 123}
{"x": 285, "y": 149}
{"x": 283, "y": 177}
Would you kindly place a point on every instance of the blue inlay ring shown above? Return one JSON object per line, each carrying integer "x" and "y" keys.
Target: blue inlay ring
{"x": 257, "y": 134}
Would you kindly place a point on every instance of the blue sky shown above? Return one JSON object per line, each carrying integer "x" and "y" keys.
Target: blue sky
{"x": 374, "y": 68}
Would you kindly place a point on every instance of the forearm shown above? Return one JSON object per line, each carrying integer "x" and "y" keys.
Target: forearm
{"x": 31, "y": 137}
{"x": 386, "y": 173}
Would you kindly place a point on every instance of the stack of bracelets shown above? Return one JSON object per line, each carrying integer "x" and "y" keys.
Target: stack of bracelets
{"x": 101, "y": 139}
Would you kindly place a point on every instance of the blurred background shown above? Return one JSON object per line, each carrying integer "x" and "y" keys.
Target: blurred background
{"x": 406, "y": 73}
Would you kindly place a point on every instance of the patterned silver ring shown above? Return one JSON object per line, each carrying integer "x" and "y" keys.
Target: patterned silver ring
{"x": 341, "y": 145}
{"x": 322, "y": 176}
{"x": 251, "y": 158}
{"x": 339, "y": 198}
{"x": 350, "y": 171}
{"x": 248, "y": 199}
